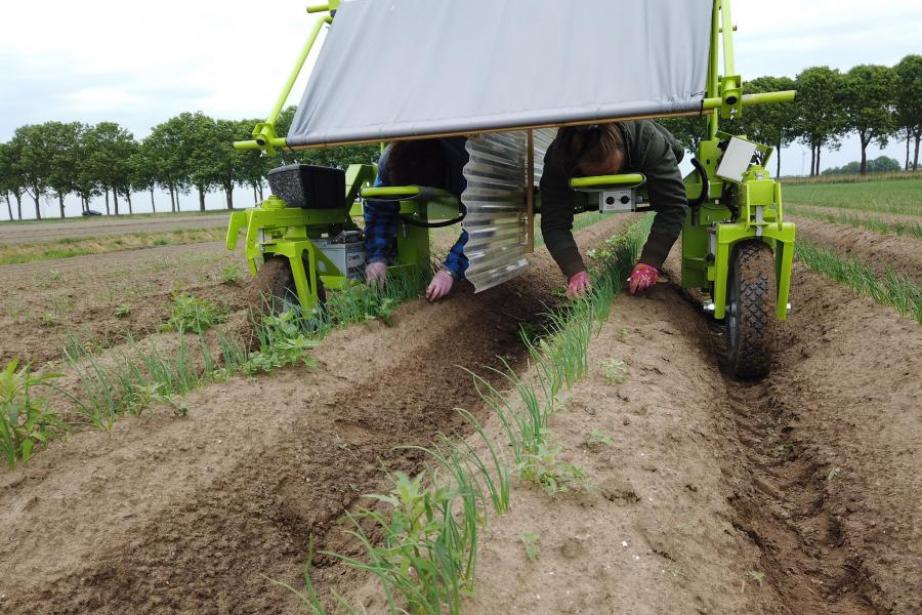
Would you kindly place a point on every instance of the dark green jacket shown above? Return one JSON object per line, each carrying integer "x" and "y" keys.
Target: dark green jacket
{"x": 651, "y": 150}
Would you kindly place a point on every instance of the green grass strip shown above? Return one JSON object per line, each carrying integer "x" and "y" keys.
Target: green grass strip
{"x": 892, "y": 289}
{"x": 882, "y": 196}
{"x": 878, "y": 225}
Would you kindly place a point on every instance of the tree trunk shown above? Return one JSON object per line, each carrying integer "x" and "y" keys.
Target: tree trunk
{"x": 819, "y": 157}
{"x": 812, "y": 159}
{"x": 172, "y": 200}
{"x": 153, "y": 205}
{"x": 18, "y": 206}
{"x": 107, "y": 201}
{"x": 261, "y": 197}
{"x": 908, "y": 139}
{"x": 128, "y": 197}
{"x": 915, "y": 161}
{"x": 9, "y": 206}
{"x": 38, "y": 209}
{"x": 115, "y": 200}
{"x": 61, "y": 203}
{"x": 255, "y": 197}
{"x": 864, "y": 154}
{"x": 201, "y": 199}
{"x": 229, "y": 192}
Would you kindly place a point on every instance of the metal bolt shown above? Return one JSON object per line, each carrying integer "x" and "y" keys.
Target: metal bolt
{"x": 710, "y": 307}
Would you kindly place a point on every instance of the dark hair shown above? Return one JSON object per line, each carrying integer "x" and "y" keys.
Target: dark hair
{"x": 593, "y": 144}
{"x": 417, "y": 163}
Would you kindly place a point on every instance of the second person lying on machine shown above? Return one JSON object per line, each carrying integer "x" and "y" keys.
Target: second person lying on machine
{"x": 607, "y": 149}
{"x": 435, "y": 163}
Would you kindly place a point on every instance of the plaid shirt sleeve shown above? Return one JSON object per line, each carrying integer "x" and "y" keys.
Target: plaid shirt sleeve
{"x": 381, "y": 223}
{"x": 456, "y": 262}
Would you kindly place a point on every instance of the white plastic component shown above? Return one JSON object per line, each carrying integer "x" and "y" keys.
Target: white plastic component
{"x": 615, "y": 201}
{"x": 736, "y": 160}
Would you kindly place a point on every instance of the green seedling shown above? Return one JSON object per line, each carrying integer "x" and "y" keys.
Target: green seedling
{"x": 554, "y": 476}
{"x": 614, "y": 371}
{"x": 123, "y": 311}
{"x": 49, "y": 319}
{"x": 193, "y": 314}
{"x": 757, "y": 576}
{"x": 283, "y": 342}
{"x": 598, "y": 438}
{"x": 622, "y": 335}
{"x": 26, "y": 422}
{"x": 530, "y": 541}
{"x": 231, "y": 274}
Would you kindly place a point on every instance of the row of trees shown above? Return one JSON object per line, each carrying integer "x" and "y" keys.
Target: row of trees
{"x": 193, "y": 151}
{"x": 188, "y": 152}
{"x": 876, "y": 103}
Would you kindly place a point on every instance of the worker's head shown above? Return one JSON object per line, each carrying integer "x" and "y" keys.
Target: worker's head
{"x": 420, "y": 163}
{"x": 592, "y": 150}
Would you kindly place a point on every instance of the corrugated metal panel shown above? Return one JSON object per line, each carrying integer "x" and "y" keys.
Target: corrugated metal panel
{"x": 543, "y": 137}
{"x": 495, "y": 201}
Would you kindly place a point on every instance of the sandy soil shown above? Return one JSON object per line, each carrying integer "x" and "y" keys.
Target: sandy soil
{"x": 48, "y": 304}
{"x": 101, "y": 226}
{"x": 882, "y": 253}
{"x": 168, "y": 515}
{"x": 799, "y": 494}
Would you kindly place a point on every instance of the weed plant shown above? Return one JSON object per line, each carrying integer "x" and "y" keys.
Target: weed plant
{"x": 892, "y": 289}
{"x": 141, "y": 377}
{"x": 194, "y": 314}
{"x": 26, "y": 422}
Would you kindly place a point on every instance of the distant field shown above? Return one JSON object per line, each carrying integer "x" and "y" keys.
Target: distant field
{"x": 101, "y": 226}
{"x": 887, "y": 196}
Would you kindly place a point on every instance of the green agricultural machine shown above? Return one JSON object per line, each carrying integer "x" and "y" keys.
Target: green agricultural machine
{"x": 736, "y": 247}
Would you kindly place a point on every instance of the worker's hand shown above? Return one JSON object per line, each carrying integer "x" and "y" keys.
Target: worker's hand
{"x": 642, "y": 277}
{"x": 376, "y": 273}
{"x": 578, "y": 285}
{"x": 440, "y": 285}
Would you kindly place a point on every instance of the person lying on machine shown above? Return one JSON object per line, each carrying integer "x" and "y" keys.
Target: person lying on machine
{"x": 436, "y": 163}
{"x": 607, "y": 149}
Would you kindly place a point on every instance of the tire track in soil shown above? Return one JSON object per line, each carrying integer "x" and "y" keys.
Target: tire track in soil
{"x": 170, "y": 516}
{"x": 830, "y": 497}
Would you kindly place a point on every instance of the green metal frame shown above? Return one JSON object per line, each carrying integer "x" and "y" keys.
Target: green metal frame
{"x": 709, "y": 235}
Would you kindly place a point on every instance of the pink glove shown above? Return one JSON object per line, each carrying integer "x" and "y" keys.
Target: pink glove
{"x": 642, "y": 277}
{"x": 440, "y": 285}
{"x": 578, "y": 285}
{"x": 376, "y": 273}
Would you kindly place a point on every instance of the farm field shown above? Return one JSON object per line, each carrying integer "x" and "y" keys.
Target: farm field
{"x": 676, "y": 489}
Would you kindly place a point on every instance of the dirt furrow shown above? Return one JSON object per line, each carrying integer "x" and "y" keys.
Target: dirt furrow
{"x": 882, "y": 253}
{"x": 830, "y": 447}
{"x": 172, "y": 515}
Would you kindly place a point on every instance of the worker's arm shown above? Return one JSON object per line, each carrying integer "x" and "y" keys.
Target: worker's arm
{"x": 380, "y": 221}
{"x": 557, "y": 205}
{"x": 657, "y": 160}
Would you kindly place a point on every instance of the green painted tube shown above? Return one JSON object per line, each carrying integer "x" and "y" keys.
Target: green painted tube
{"x": 318, "y": 8}
{"x": 729, "y": 60}
{"x": 602, "y": 181}
{"x": 764, "y": 98}
{"x": 283, "y": 98}
{"x": 251, "y": 145}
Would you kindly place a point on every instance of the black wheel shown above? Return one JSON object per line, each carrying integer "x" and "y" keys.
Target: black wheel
{"x": 750, "y": 317}
{"x": 273, "y": 290}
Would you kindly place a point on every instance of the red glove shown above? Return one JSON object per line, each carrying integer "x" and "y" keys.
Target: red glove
{"x": 642, "y": 277}
{"x": 578, "y": 285}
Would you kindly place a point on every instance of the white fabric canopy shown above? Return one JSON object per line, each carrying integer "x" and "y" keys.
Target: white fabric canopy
{"x": 407, "y": 68}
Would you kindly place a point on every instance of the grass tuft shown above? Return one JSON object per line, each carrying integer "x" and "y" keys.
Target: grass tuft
{"x": 26, "y": 422}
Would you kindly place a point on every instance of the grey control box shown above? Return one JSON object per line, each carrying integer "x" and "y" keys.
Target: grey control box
{"x": 347, "y": 251}
{"x": 617, "y": 201}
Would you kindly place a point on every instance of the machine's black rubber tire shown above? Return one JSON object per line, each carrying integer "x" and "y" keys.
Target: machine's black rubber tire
{"x": 273, "y": 290}
{"x": 750, "y": 320}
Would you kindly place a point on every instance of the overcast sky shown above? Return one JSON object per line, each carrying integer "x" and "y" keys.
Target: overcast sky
{"x": 140, "y": 63}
